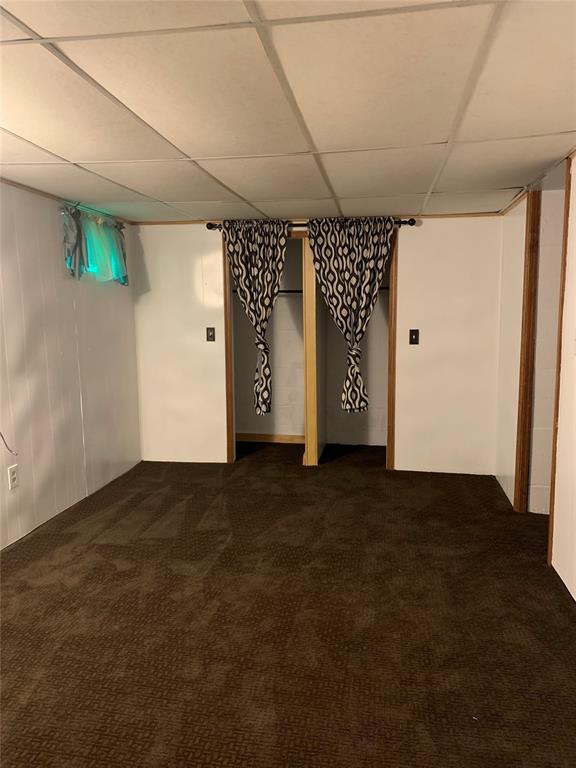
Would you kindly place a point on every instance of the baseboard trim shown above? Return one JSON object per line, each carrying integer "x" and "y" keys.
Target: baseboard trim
{"x": 248, "y": 437}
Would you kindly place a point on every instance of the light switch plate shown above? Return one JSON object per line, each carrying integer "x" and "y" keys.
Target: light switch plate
{"x": 210, "y": 334}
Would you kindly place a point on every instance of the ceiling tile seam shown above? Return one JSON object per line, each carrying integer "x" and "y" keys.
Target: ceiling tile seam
{"x": 516, "y": 138}
{"x": 81, "y": 167}
{"x": 270, "y": 155}
{"x": 59, "y": 199}
{"x": 376, "y": 12}
{"x": 100, "y": 88}
{"x": 285, "y": 21}
{"x": 36, "y": 146}
{"x": 54, "y": 39}
{"x": 278, "y": 70}
{"x": 537, "y": 179}
{"x": 469, "y": 88}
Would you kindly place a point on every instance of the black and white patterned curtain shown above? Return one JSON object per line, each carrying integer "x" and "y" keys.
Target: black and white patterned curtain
{"x": 256, "y": 251}
{"x": 350, "y": 257}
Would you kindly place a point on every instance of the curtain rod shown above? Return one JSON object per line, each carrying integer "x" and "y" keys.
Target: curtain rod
{"x": 397, "y": 223}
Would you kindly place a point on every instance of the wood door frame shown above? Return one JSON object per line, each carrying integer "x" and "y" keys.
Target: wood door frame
{"x": 231, "y": 436}
{"x": 310, "y": 358}
{"x": 229, "y": 361}
{"x": 567, "y": 195}
{"x": 527, "y": 352}
{"x": 392, "y": 324}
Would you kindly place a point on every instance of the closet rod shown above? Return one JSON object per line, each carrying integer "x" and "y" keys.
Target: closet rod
{"x": 397, "y": 223}
{"x": 294, "y": 290}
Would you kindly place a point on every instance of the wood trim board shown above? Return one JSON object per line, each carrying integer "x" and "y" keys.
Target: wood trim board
{"x": 527, "y": 352}
{"x": 249, "y": 437}
{"x": 229, "y": 360}
{"x": 310, "y": 358}
{"x": 392, "y": 318}
{"x": 567, "y": 194}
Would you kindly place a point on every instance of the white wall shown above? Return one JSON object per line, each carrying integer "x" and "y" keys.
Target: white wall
{"x": 446, "y": 386}
{"x": 369, "y": 427}
{"x": 68, "y": 396}
{"x": 178, "y": 283}
{"x": 564, "y": 537}
{"x": 550, "y": 259}
{"x": 285, "y": 336}
{"x": 510, "y": 326}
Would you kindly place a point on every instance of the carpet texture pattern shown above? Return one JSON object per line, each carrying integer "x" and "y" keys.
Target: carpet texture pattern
{"x": 263, "y": 615}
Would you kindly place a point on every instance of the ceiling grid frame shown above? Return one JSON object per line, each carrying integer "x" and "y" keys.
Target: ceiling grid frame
{"x": 468, "y": 92}
{"x": 260, "y": 26}
{"x": 251, "y": 24}
{"x": 278, "y": 70}
{"x": 100, "y": 88}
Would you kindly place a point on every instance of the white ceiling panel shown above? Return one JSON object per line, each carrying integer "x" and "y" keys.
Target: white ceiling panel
{"x": 470, "y": 202}
{"x": 528, "y": 85}
{"x": 218, "y": 211}
{"x": 9, "y": 31}
{"x": 298, "y": 209}
{"x": 67, "y": 182}
{"x": 381, "y": 173}
{"x": 494, "y": 164}
{"x": 45, "y": 102}
{"x": 271, "y": 178}
{"x": 141, "y": 211}
{"x": 52, "y": 19}
{"x": 408, "y": 205}
{"x": 16, "y": 150}
{"x": 385, "y": 81}
{"x": 172, "y": 180}
{"x": 212, "y": 94}
{"x": 289, "y": 9}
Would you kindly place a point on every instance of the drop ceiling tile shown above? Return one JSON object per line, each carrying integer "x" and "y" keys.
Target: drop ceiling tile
{"x": 382, "y": 173}
{"x": 67, "y": 182}
{"x": 172, "y": 180}
{"x": 384, "y": 81}
{"x": 408, "y": 205}
{"x": 270, "y": 178}
{"x": 205, "y": 211}
{"x": 9, "y": 31}
{"x": 298, "y": 209}
{"x": 45, "y": 102}
{"x": 16, "y": 150}
{"x": 144, "y": 211}
{"x": 212, "y": 94}
{"x": 470, "y": 202}
{"x": 494, "y": 164}
{"x": 528, "y": 84}
{"x": 51, "y": 19}
{"x": 287, "y": 9}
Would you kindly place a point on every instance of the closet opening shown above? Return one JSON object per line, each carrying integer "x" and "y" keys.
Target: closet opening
{"x": 342, "y": 433}
{"x": 254, "y": 433}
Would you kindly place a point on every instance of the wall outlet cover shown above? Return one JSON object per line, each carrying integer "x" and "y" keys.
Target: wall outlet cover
{"x": 12, "y": 476}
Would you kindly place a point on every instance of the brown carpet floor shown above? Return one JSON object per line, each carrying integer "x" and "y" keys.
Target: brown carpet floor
{"x": 264, "y": 615}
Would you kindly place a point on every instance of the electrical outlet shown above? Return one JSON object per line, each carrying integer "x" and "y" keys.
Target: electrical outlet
{"x": 12, "y": 476}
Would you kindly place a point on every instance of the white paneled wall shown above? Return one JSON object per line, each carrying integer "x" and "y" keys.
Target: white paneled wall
{"x": 513, "y": 227}
{"x": 446, "y": 386}
{"x": 286, "y": 338}
{"x": 68, "y": 400}
{"x": 178, "y": 285}
{"x": 551, "y": 229}
{"x": 368, "y": 428}
{"x": 564, "y": 537}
